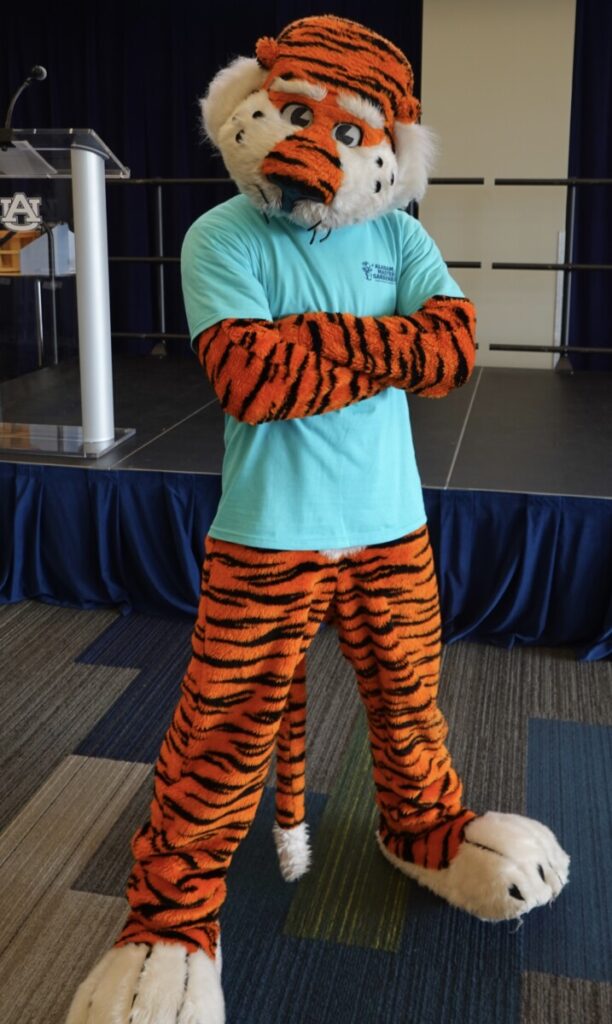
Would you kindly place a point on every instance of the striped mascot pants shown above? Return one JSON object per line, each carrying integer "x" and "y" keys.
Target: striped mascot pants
{"x": 259, "y": 610}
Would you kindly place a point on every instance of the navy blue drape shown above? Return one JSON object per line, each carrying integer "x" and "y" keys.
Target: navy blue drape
{"x": 133, "y": 71}
{"x": 89, "y": 538}
{"x": 591, "y": 157}
{"x": 513, "y": 568}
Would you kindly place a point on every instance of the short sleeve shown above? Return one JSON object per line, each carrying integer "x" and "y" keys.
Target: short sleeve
{"x": 218, "y": 272}
{"x": 424, "y": 273}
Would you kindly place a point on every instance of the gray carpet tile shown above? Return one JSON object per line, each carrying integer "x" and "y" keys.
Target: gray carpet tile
{"x": 488, "y": 696}
{"x": 333, "y": 704}
{"x": 51, "y": 937}
{"x": 49, "y": 702}
{"x": 108, "y": 869}
{"x": 548, "y": 998}
{"x": 65, "y": 935}
{"x": 48, "y": 843}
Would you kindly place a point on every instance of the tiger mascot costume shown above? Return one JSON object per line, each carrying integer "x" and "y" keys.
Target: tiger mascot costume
{"x": 314, "y": 302}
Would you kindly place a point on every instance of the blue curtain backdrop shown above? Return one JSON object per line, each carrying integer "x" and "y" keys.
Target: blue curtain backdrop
{"x": 133, "y": 71}
{"x": 591, "y": 157}
{"x": 513, "y": 568}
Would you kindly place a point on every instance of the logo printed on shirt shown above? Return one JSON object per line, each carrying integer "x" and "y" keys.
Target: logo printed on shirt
{"x": 378, "y": 272}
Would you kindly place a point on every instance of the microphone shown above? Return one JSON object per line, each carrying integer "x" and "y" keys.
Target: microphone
{"x": 37, "y": 74}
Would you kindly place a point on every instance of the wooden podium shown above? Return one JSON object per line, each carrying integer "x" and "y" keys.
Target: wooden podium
{"x": 78, "y": 154}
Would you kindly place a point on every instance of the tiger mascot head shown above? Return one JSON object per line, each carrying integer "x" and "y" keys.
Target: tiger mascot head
{"x": 321, "y": 125}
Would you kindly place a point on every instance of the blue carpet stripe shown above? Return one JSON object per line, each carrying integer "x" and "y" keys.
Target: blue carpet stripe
{"x": 133, "y": 728}
{"x": 569, "y": 787}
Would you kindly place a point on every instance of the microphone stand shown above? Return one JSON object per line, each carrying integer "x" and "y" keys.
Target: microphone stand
{"x": 37, "y": 74}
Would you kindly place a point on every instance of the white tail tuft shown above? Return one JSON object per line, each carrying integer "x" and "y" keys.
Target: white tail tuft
{"x": 293, "y": 849}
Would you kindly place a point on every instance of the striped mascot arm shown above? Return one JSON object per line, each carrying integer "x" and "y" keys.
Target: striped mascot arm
{"x": 259, "y": 375}
{"x": 428, "y": 353}
{"x": 313, "y": 363}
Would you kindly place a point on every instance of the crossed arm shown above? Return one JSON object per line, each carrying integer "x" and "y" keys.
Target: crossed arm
{"x": 318, "y": 362}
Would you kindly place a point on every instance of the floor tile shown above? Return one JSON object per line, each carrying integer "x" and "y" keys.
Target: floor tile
{"x": 194, "y": 445}
{"x": 54, "y": 836}
{"x": 436, "y": 428}
{"x": 564, "y": 1000}
{"x": 46, "y": 714}
{"x": 539, "y": 432}
{"x": 65, "y": 934}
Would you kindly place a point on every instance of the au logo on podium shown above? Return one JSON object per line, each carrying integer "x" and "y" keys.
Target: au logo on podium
{"x": 20, "y": 213}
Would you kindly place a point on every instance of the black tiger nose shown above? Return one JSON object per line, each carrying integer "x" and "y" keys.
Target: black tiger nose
{"x": 293, "y": 191}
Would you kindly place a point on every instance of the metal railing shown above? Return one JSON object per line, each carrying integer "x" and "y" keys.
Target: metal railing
{"x": 161, "y": 261}
{"x": 567, "y": 267}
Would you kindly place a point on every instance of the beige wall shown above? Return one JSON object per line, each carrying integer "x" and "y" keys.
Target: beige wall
{"x": 496, "y": 87}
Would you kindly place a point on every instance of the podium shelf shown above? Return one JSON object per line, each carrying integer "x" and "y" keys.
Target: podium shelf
{"x": 46, "y": 153}
{"x": 52, "y": 439}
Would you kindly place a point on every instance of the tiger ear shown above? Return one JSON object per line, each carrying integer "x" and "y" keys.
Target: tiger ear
{"x": 415, "y": 149}
{"x": 228, "y": 88}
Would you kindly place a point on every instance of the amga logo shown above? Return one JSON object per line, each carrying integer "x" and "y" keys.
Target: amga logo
{"x": 378, "y": 272}
{"x": 18, "y": 213}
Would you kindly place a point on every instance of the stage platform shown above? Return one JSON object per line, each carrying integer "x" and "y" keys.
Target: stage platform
{"x": 517, "y": 468}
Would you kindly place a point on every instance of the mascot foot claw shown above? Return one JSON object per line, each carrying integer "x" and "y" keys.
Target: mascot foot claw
{"x": 160, "y": 984}
{"x": 506, "y": 866}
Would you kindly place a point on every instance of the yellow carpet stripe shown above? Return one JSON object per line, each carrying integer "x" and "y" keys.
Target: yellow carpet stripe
{"x": 350, "y": 895}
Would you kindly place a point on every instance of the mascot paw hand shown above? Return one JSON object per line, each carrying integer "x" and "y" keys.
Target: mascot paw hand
{"x": 140, "y": 984}
{"x": 506, "y": 866}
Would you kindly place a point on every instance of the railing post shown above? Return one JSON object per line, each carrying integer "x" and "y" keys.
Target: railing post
{"x": 564, "y": 364}
{"x": 160, "y": 348}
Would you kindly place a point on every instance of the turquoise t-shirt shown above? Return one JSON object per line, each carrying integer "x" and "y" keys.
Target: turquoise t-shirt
{"x": 339, "y": 479}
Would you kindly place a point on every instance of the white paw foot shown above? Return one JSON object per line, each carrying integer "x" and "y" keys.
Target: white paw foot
{"x": 506, "y": 866}
{"x": 293, "y": 849}
{"x": 140, "y": 984}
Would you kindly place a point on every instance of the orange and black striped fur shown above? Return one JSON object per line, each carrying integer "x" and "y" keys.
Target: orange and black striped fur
{"x": 314, "y": 363}
{"x": 343, "y": 56}
{"x": 259, "y": 611}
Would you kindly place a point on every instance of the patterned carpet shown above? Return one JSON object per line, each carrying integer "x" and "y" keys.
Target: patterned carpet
{"x": 86, "y": 697}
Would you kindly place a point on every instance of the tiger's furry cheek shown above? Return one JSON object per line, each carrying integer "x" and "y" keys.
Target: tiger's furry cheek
{"x": 416, "y": 149}
{"x": 245, "y": 139}
{"x": 369, "y": 185}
